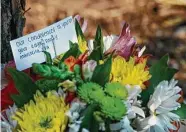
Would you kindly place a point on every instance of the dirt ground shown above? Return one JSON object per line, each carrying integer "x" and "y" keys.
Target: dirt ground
{"x": 159, "y": 24}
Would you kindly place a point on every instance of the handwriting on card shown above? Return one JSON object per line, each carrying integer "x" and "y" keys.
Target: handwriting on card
{"x": 53, "y": 39}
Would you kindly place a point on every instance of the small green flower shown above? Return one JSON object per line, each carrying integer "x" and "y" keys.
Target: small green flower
{"x": 113, "y": 108}
{"x": 91, "y": 92}
{"x": 117, "y": 90}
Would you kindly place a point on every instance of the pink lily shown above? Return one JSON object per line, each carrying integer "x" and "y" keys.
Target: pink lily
{"x": 124, "y": 44}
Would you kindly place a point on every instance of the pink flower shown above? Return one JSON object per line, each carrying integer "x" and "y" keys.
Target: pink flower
{"x": 124, "y": 44}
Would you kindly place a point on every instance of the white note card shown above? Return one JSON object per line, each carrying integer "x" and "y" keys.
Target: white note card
{"x": 53, "y": 39}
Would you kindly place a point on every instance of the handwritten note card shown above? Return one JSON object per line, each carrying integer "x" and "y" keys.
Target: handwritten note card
{"x": 53, "y": 39}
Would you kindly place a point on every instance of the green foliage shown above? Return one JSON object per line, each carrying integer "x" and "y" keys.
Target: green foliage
{"x": 51, "y": 72}
{"x": 91, "y": 92}
{"x": 46, "y": 85}
{"x": 97, "y": 53}
{"x": 98, "y": 41}
{"x": 159, "y": 71}
{"x": 113, "y": 108}
{"x": 79, "y": 32}
{"x": 181, "y": 111}
{"x": 81, "y": 38}
{"x": 25, "y": 86}
{"x": 89, "y": 122}
{"x": 77, "y": 74}
{"x": 73, "y": 51}
{"x": 94, "y": 55}
{"x": 70, "y": 44}
{"x": 116, "y": 90}
{"x": 101, "y": 74}
{"x": 48, "y": 57}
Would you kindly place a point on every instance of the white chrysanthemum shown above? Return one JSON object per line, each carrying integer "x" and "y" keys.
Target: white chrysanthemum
{"x": 162, "y": 102}
{"x": 134, "y": 105}
{"x": 7, "y": 123}
{"x": 165, "y": 96}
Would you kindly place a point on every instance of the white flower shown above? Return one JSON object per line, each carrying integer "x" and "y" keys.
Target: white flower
{"x": 102, "y": 126}
{"x": 73, "y": 114}
{"x": 141, "y": 51}
{"x": 59, "y": 93}
{"x": 75, "y": 109}
{"x": 162, "y": 102}
{"x": 108, "y": 42}
{"x": 85, "y": 130}
{"x": 88, "y": 69}
{"x": 123, "y": 125}
{"x": 164, "y": 98}
{"x": 133, "y": 92}
{"x": 158, "y": 123}
{"x": 133, "y": 105}
{"x": 75, "y": 126}
{"x": 7, "y": 124}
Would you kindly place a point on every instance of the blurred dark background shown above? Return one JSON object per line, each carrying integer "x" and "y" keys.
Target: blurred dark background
{"x": 159, "y": 24}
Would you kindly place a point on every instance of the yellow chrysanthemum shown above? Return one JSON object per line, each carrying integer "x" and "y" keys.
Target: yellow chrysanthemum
{"x": 129, "y": 73}
{"x": 47, "y": 114}
{"x": 82, "y": 44}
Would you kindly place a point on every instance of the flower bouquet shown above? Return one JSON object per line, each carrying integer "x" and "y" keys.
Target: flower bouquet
{"x": 103, "y": 84}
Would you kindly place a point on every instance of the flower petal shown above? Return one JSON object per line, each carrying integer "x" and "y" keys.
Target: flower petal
{"x": 124, "y": 44}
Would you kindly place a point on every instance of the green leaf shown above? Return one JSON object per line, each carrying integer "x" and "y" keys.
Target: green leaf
{"x": 94, "y": 55}
{"x": 181, "y": 111}
{"x": 97, "y": 53}
{"x": 101, "y": 74}
{"x": 159, "y": 72}
{"x": 89, "y": 121}
{"x": 48, "y": 57}
{"x": 81, "y": 38}
{"x": 79, "y": 32}
{"x": 70, "y": 44}
{"x": 107, "y": 125}
{"x": 25, "y": 86}
{"x": 73, "y": 51}
{"x": 98, "y": 42}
